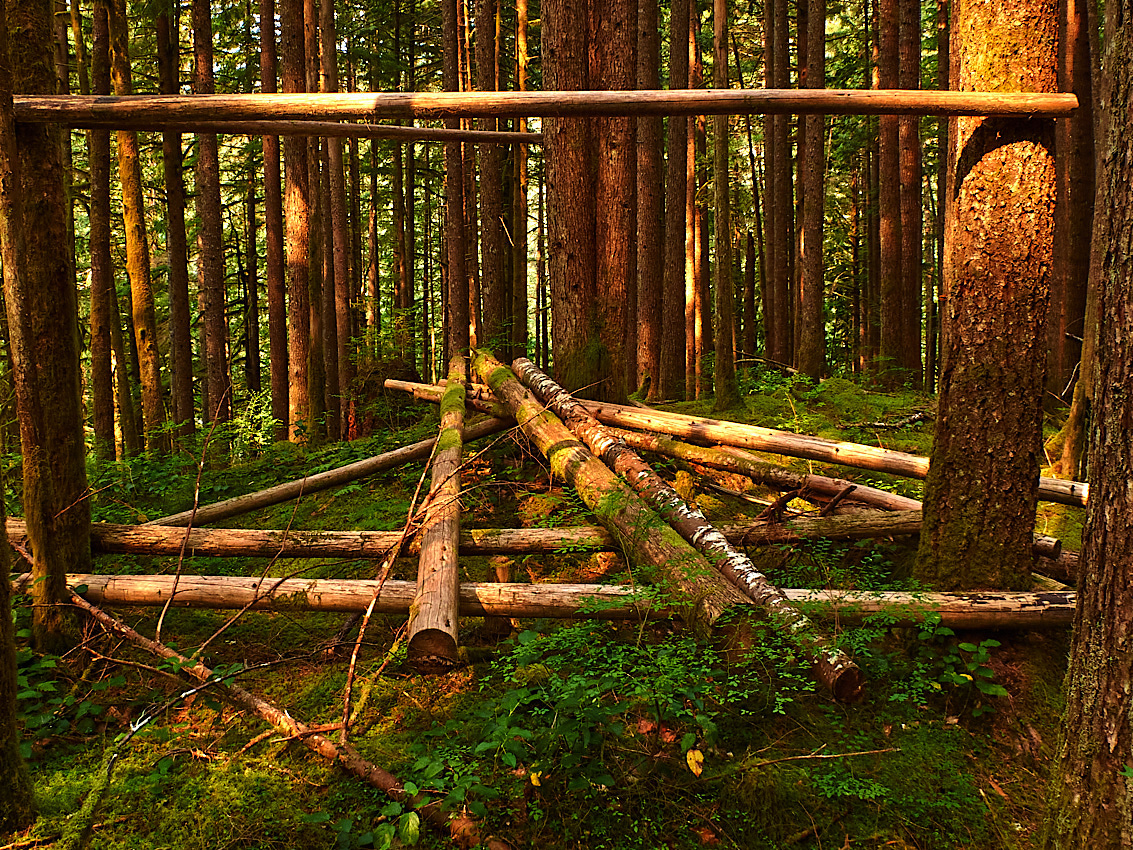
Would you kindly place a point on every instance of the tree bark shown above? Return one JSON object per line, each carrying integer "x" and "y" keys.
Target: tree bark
{"x": 980, "y": 493}
{"x": 103, "y": 305}
{"x": 43, "y": 321}
{"x": 893, "y": 307}
{"x": 456, "y": 303}
{"x": 435, "y": 614}
{"x": 644, "y": 536}
{"x": 1089, "y": 792}
{"x": 177, "y": 246}
{"x": 493, "y": 285}
{"x": 810, "y": 358}
{"x": 650, "y": 202}
{"x": 670, "y": 381}
{"x": 911, "y": 207}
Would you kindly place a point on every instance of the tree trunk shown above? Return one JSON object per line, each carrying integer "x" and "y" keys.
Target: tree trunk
{"x": 912, "y": 216}
{"x": 726, "y": 387}
{"x": 893, "y": 307}
{"x": 810, "y": 358}
{"x": 296, "y": 218}
{"x": 1089, "y": 792}
{"x": 981, "y": 489}
{"x": 650, "y": 202}
{"x": 102, "y": 301}
{"x": 137, "y": 245}
{"x": 670, "y": 381}
{"x": 456, "y": 304}
{"x": 493, "y": 286}
{"x": 520, "y": 214}
{"x": 273, "y": 234}
{"x": 833, "y": 668}
{"x": 613, "y": 59}
{"x": 435, "y": 617}
{"x": 177, "y": 246}
{"x": 43, "y": 321}
{"x": 335, "y": 239}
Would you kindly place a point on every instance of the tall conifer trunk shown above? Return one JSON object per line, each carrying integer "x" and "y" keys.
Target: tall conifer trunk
{"x": 101, "y": 264}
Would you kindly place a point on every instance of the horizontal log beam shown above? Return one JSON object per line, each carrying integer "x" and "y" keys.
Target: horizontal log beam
{"x": 991, "y": 610}
{"x": 153, "y": 110}
{"x": 330, "y": 129}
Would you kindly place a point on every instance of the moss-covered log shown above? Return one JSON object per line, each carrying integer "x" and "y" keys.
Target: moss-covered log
{"x": 643, "y": 535}
{"x": 435, "y": 615}
{"x": 832, "y": 666}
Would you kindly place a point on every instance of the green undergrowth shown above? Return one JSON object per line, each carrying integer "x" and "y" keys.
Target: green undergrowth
{"x": 554, "y": 734}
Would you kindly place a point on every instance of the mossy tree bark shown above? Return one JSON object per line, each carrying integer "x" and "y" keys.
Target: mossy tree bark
{"x": 1090, "y": 801}
{"x": 43, "y": 320}
{"x": 980, "y": 493}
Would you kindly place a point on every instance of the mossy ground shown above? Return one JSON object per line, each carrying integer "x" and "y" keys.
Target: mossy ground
{"x": 562, "y": 735}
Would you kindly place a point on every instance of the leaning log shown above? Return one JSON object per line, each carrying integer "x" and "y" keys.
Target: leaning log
{"x": 988, "y": 610}
{"x": 206, "y": 514}
{"x": 641, "y": 534}
{"x": 461, "y": 828}
{"x": 833, "y": 667}
{"x": 435, "y": 617}
{"x": 126, "y": 112}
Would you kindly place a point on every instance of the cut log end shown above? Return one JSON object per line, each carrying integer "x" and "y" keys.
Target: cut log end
{"x": 848, "y": 684}
{"x": 432, "y": 651}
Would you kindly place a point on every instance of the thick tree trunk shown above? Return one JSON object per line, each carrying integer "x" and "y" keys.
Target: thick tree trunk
{"x": 493, "y": 285}
{"x": 1089, "y": 791}
{"x": 177, "y": 245}
{"x": 911, "y": 207}
{"x": 613, "y": 53}
{"x": 435, "y": 615}
{"x": 893, "y": 307}
{"x": 456, "y": 304}
{"x": 980, "y": 493}
{"x": 43, "y": 321}
{"x": 137, "y": 245}
{"x": 810, "y": 358}
{"x": 832, "y": 667}
{"x": 644, "y": 536}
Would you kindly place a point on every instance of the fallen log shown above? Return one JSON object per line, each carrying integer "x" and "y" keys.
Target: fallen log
{"x": 207, "y": 514}
{"x": 461, "y": 828}
{"x": 332, "y": 129}
{"x": 989, "y": 610}
{"x": 833, "y": 667}
{"x": 737, "y": 434}
{"x": 435, "y": 614}
{"x": 642, "y": 535}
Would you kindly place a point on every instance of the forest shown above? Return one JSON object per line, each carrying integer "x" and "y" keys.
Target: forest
{"x": 636, "y": 425}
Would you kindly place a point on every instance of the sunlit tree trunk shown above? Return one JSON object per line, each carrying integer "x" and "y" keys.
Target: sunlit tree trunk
{"x": 727, "y": 390}
{"x": 810, "y": 358}
{"x": 650, "y": 201}
{"x": 520, "y": 214}
{"x": 980, "y": 494}
{"x": 101, "y": 263}
{"x": 273, "y": 233}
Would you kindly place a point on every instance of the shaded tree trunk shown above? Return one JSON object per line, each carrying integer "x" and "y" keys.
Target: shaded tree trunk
{"x": 177, "y": 246}
{"x": 1089, "y": 791}
{"x": 810, "y": 358}
{"x": 912, "y": 216}
{"x": 103, "y": 304}
{"x": 457, "y": 339}
{"x": 892, "y": 290}
{"x": 43, "y": 322}
{"x": 650, "y": 201}
{"x": 273, "y": 235}
{"x": 980, "y": 493}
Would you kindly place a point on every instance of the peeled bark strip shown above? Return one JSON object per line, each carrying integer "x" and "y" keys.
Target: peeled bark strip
{"x": 992, "y": 610}
{"x": 435, "y": 615}
{"x": 322, "y": 481}
{"x": 461, "y": 828}
{"x": 833, "y": 667}
{"x": 639, "y": 531}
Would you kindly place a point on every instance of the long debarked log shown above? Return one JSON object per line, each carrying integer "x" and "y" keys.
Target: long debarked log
{"x": 743, "y": 436}
{"x": 435, "y": 615}
{"x": 123, "y": 112}
{"x": 339, "y": 129}
{"x": 461, "y": 828}
{"x": 833, "y": 667}
{"x": 111, "y": 539}
{"x": 642, "y": 535}
{"x": 217, "y": 511}
{"x": 755, "y": 437}
{"x": 567, "y": 601}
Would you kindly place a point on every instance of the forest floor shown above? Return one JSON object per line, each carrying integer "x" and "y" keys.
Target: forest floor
{"x": 557, "y": 735}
